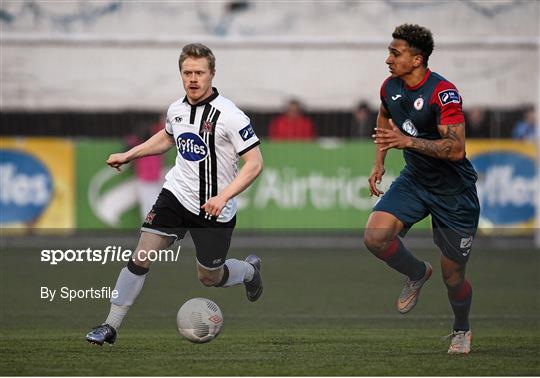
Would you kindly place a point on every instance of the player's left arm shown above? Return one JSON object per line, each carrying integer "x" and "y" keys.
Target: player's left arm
{"x": 253, "y": 166}
{"x": 451, "y": 146}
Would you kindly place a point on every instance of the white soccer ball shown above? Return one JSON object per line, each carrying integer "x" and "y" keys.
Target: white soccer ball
{"x": 199, "y": 320}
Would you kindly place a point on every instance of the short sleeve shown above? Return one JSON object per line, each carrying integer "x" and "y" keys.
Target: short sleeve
{"x": 382, "y": 93}
{"x": 241, "y": 133}
{"x": 448, "y": 101}
{"x": 168, "y": 125}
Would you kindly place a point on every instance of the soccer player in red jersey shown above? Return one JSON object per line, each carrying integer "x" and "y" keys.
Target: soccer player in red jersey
{"x": 421, "y": 114}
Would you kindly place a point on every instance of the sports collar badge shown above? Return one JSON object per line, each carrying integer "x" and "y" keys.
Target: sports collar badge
{"x": 208, "y": 127}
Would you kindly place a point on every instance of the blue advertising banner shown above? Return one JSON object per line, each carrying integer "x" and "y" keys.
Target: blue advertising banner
{"x": 507, "y": 183}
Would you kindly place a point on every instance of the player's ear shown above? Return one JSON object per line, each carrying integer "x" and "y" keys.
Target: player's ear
{"x": 418, "y": 61}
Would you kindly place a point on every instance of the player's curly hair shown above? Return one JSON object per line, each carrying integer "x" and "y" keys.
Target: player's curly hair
{"x": 418, "y": 37}
{"x": 197, "y": 50}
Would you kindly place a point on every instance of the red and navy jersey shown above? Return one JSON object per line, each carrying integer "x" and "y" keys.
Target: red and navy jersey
{"x": 417, "y": 111}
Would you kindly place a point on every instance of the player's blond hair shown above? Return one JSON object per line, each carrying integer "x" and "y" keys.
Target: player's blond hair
{"x": 197, "y": 50}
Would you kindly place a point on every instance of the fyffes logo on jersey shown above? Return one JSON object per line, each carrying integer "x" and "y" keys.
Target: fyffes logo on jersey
{"x": 506, "y": 187}
{"x": 191, "y": 147}
{"x": 26, "y": 187}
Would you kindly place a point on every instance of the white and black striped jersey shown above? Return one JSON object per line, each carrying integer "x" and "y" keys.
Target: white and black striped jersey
{"x": 209, "y": 137}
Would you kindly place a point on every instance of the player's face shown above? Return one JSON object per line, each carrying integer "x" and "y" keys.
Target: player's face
{"x": 402, "y": 59}
{"x": 197, "y": 79}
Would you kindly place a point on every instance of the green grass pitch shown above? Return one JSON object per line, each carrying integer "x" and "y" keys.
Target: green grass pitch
{"x": 322, "y": 313}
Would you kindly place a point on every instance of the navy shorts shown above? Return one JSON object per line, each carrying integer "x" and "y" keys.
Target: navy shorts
{"x": 454, "y": 218}
{"x": 212, "y": 239}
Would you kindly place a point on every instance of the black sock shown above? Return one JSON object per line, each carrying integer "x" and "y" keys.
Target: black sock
{"x": 398, "y": 257}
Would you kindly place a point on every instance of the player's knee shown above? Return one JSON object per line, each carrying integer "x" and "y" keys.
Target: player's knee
{"x": 453, "y": 282}
{"x": 139, "y": 258}
{"x": 376, "y": 242}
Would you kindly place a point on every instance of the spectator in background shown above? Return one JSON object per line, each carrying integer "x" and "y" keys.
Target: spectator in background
{"x": 477, "y": 124}
{"x": 363, "y": 121}
{"x": 525, "y": 129}
{"x": 292, "y": 124}
{"x": 148, "y": 170}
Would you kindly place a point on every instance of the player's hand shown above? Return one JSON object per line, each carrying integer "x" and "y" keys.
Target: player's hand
{"x": 214, "y": 205}
{"x": 375, "y": 179}
{"x": 390, "y": 138}
{"x": 117, "y": 160}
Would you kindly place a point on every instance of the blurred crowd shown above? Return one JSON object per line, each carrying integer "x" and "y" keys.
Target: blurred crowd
{"x": 294, "y": 122}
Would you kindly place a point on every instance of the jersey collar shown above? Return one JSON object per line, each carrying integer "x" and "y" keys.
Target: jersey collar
{"x": 426, "y": 75}
{"x": 207, "y": 100}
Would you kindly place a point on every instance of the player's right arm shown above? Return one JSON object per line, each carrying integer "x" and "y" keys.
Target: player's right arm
{"x": 383, "y": 122}
{"x": 159, "y": 143}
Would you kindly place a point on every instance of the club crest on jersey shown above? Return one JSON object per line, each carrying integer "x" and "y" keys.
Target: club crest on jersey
{"x": 247, "y": 132}
{"x": 409, "y": 128}
{"x": 419, "y": 103}
{"x": 191, "y": 147}
{"x": 449, "y": 96}
{"x": 207, "y": 127}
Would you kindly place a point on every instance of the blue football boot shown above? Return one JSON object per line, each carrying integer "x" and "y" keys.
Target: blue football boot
{"x": 101, "y": 334}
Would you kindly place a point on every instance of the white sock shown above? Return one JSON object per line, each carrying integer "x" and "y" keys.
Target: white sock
{"x": 250, "y": 272}
{"x": 239, "y": 272}
{"x": 128, "y": 286}
{"x": 116, "y": 315}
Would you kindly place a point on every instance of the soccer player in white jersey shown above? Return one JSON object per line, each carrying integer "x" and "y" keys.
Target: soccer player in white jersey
{"x": 209, "y": 133}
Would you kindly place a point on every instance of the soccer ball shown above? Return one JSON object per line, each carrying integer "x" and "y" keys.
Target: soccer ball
{"x": 199, "y": 320}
